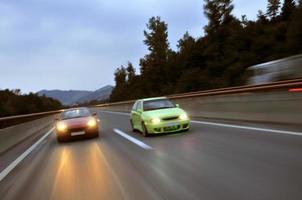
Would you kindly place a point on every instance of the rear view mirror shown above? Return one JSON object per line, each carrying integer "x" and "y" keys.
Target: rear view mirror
{"x": 94, "y": 114}
{"x": 56, "y": 119}
{"x": 139, "y": 110}
{"x": 177, "y": 105}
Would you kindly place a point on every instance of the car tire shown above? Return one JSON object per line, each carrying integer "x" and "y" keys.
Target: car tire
{"x": 96, "y": 134}
{"x": 61, "y": 139}
{"x": 132, "y": 127}
{"x": 186, "y": 130}
{"x": 93, "y": 134}
{"x": 145, "y": 131}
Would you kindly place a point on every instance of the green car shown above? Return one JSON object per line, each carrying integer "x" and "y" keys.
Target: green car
{"x": 158, "y": 115}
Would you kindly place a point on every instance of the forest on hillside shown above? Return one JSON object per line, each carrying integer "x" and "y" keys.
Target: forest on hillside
{"x": 216, "y": 60}
{"x": 15, "y": 103}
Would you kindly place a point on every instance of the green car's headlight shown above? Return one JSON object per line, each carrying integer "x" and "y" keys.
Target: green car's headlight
{"x": 183, "y": 116}
{"x": 155, "y": 120}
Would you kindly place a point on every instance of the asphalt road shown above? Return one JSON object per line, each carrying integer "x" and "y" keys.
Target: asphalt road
{"x": 208, "y": 162}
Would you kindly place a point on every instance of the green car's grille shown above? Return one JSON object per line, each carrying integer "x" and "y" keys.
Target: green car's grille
{"x": 170, "y": 118}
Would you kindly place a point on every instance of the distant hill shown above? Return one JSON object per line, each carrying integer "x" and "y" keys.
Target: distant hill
{"x": 70, "y": 97}
{"x": 65, "y": 97}
{"x": 98, "y": 95}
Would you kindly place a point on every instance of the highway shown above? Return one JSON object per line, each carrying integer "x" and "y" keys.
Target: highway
{"x": 214, "y": 160}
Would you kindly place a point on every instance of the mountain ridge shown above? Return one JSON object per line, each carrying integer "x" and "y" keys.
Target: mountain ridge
{"x": 69, "y": 97}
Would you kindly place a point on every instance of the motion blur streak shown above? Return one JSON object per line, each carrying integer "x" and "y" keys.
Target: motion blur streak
{"x": 208, "y": 162}
{"x": 70, "y": 183}
{"x": 295, "y": 90}
{"x": 112, "y": 173}
{"x": 64, "y": 176}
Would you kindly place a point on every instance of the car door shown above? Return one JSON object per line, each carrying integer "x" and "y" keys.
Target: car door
{"x": 136, "y": 115}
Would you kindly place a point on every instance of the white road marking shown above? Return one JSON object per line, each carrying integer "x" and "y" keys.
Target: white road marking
{"x": 132, "y": 139}
{"x": 234, "y": 126}
{"x": 10, "y": 167}
{"x": 249, "y": 128}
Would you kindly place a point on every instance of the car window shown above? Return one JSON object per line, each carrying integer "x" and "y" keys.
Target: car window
{"x": 158, "y": 104}
{"x": 75, "y": 113}
{"x": 134, "y": 106}
{"x": 139, "y": 105}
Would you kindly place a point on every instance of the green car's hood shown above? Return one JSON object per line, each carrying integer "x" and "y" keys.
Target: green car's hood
{"x": 163, "y": 113}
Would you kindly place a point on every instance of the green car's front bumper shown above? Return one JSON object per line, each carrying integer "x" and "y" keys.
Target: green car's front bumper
{"x": 168, "y": 126}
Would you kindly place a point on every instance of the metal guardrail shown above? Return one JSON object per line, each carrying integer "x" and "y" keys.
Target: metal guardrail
{"x": 280, "y": 85}
{"x": 13, "y": 120}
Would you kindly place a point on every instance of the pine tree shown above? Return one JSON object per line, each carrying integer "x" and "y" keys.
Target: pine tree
{"x": 217, "y": 12}
{"x": 273, "y": 8}
{"x": 294, "y": 34}
{"x": 287, "y": 9}
{"x": 120, "y": 77}
{"x": 186, "y": 42}
{"x": 156, "y": 39}
{"x": 130, "y": 72}
{"x": 153, "y": 64}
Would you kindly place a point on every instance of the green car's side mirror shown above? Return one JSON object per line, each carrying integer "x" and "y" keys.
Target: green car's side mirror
{"x": 139, "y": 110}
{"x": 177, "y": 105}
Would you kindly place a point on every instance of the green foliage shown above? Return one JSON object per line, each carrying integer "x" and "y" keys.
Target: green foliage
{"x": 153, "y": 64}
{"x": 218, "y": 12}
{"x": 219, "y": 58}
{"x": 288, "y": 8}
{"x": 294, "y": 34}
{"x": 273, "y": 8}
{"x": 15, "y": 103}
{"x": 120, "y": 80}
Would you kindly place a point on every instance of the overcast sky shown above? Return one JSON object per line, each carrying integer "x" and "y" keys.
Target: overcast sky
{"x": 77, "y": 44}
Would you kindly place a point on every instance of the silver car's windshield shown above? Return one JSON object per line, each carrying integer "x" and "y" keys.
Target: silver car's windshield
{"x": 81, "y": 112}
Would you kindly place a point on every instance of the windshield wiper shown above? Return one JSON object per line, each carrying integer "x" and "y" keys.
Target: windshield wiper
{"x": 165, "y": 107}
{"x": 159, "y": 108}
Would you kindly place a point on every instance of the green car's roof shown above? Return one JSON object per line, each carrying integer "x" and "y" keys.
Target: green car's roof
{"x": 154, "y": 98}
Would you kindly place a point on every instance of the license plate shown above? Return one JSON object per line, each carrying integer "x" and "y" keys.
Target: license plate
{"x": 171, "y": 124}
{"x": 77, "y": 133}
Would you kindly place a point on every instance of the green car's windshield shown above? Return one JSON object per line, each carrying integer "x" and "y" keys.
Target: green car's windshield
{"x": 157, "y": 104}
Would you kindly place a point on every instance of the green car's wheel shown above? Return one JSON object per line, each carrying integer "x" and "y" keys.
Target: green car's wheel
{"x": 132, "y": 127}
{"x": 145, "y": 131}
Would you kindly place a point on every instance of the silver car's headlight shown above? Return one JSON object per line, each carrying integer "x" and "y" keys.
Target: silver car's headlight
{"x": 92, "y": 123}
{"x": 61, "y": 126}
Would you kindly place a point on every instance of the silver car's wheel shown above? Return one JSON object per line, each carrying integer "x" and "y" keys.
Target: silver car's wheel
{"x": 62, "y": 138}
